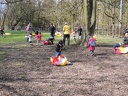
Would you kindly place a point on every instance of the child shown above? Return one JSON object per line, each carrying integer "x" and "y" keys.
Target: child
{"x": 126, "y": 39}
{"x": 48, "y": 41}
{"x": 28, "y": 29}
{"x": 30, "y": 38}
{"x": 59, "y": 47}
{"x": 117, "y": 45}
{"x": 39, "y": 38}
{"x": 36, "y": 32}
{"x": 91, "y": 45}
{"x": 74, "y": 33}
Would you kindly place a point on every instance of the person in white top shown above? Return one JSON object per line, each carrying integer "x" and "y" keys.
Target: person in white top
{"x": 30, "y": 39}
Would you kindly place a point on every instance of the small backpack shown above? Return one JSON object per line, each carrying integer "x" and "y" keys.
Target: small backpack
{"x": 92, "y": 43}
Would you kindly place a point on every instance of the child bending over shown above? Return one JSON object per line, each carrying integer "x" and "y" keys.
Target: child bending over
{"x": 59, "y": 48}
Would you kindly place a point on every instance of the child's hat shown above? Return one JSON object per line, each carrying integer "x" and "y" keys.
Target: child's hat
{"x": 61, "y": 42}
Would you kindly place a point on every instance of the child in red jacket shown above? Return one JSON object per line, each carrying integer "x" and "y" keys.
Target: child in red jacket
{"x": 39, "y": 38}
{"x": 92, "y": 45}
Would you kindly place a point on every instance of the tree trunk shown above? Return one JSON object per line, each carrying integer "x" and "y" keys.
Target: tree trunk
{"x": 90, "y": 20}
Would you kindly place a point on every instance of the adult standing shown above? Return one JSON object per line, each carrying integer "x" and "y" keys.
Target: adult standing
{"x": 126, "y": 39}
{"x": 28, "y": 29}
{"x": 126, "y": 30}
{"x": 52, "y": 30}
{"x": 79, "y": 32}
{"x": 66, "y": 33}
{"x": 1, "y": 31}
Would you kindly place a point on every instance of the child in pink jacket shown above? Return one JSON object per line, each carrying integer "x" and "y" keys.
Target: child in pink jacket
{"x": 92, "y": 45}
{"x": 39, "y": 38}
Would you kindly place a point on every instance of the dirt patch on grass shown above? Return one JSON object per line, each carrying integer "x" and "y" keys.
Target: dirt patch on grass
{"x": 27, "y": 71}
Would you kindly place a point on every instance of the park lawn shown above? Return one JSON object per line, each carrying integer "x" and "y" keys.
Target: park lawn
{"x": 108, "y": 40}
{"x": 15, "y": 37}
{"x": 19, "y": 37}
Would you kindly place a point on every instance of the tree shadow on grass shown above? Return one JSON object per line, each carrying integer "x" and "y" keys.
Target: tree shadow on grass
{"x": 101, "y": 54}
{"x": 74, "y": 61}
{"x": 10, "y": 89}
{"x": 8, "y": 79}
{"x": 104, "y": 45}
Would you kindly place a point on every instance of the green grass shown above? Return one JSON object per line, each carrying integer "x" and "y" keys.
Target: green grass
{"x": 13, "y": 38}
{"x": 19, "y": 37}
{"x": 108, "y": 40}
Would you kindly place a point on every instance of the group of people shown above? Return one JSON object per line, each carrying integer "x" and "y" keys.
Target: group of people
{"x": 91, "y": 46}
{"x": 66, "y": 37}
{"x": 29, "y": 36}
{"x": 125, "y": 41}
{"x": 119, "y": 47}
{"x": 78, "y": 31}
{"x": 66, "y": 32}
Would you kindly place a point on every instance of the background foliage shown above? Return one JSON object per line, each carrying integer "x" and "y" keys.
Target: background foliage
{"x": 18, "y": 13}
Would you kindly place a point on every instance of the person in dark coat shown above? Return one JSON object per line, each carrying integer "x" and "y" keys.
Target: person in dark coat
{"x": 79, "y": 32}
{"x": 59, "y": 48}
{"x": 126, "y": 39}
{"x": 1, "y": 32}
{"x": 52, "y": 30}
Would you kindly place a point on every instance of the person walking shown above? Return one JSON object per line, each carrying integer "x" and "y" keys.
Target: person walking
{"x": 52, "y": 30}
{"x": 29, "y": 29}
{"x": 66, "y": 34}
{"x": 92, "y": 45}
{"x": 79, "y": 32}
